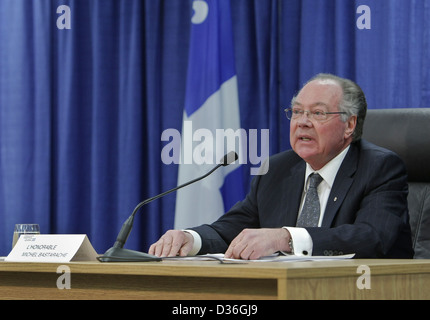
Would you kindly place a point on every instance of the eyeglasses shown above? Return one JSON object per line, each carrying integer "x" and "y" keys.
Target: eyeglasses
{"x": 318, "y": 115}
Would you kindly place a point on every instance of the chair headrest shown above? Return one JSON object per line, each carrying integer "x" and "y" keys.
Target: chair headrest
{"x": 407, "y": 133}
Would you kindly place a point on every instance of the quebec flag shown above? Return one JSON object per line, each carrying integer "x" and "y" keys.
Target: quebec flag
{"x": 211, "y": 111}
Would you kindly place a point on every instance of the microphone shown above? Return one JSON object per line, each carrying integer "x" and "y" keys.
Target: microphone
{"x": 118, "y": 254}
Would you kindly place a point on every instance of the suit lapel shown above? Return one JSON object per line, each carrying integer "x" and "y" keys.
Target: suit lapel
{"x": 292, "y": 193}
{"x": 341, "y": 185}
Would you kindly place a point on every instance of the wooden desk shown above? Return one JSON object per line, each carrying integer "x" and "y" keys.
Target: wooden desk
{"x": 390, "y": 279}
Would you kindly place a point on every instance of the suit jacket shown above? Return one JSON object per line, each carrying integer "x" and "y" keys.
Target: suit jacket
{"x": 366, "y": 213}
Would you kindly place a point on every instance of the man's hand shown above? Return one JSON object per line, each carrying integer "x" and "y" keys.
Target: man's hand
{"x": 172, "y": 243}
{"x": 252, "y": 244}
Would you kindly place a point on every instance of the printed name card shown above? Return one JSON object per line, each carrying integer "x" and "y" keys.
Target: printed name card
{"x": 52, "y": 248}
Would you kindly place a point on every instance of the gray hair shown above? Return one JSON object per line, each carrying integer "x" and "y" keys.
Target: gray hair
{"x": 353, "y": 101}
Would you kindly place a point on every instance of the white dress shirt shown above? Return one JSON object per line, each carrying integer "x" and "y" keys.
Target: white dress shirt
{"x": 301, "y": 239}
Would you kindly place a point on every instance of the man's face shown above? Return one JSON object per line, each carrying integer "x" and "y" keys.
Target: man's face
{"x": 317, "y": 142}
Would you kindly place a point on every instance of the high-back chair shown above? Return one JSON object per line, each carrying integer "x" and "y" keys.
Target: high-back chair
{"x": 407, "y": 132}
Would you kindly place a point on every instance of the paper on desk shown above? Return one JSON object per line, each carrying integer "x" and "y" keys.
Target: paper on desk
{"x": 290, "y": 257}
{"x": 271, "y": 258}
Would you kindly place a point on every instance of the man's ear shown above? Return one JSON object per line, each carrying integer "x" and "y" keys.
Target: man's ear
{"x": 351, "y": 123}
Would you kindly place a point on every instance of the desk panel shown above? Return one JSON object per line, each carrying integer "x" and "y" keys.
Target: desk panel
{"x": 179, "y": 280}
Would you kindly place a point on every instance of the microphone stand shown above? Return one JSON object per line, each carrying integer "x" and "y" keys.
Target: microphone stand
{"x": 118, "y": 254}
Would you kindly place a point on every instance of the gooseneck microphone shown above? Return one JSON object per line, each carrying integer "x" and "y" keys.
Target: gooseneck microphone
{"x": 118, "y": 254}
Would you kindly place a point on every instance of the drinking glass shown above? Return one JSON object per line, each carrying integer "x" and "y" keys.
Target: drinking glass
{"x": 25, "y": 228}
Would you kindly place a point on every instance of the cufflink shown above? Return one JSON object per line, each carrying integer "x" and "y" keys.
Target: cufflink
{"x": 290, "y": 243}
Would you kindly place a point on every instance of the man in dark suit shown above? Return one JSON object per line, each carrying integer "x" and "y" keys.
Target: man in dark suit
{"x": 332, "y": 194}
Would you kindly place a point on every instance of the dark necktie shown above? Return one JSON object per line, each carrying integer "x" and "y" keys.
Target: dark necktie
{"x": 311, "y": 209}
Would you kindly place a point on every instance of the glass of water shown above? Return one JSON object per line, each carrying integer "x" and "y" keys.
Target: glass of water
{"x": 24, "y": 229}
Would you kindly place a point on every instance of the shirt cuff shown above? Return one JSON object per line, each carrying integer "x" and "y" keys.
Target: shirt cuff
{"x": 302, "y": 241}
{"x": 197, "y": 244}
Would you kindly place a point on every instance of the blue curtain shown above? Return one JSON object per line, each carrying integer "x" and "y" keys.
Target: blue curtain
{"x": 82, "y": 110}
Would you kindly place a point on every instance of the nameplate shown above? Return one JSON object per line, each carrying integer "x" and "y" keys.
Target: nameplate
{"x": 52, "y": 248}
